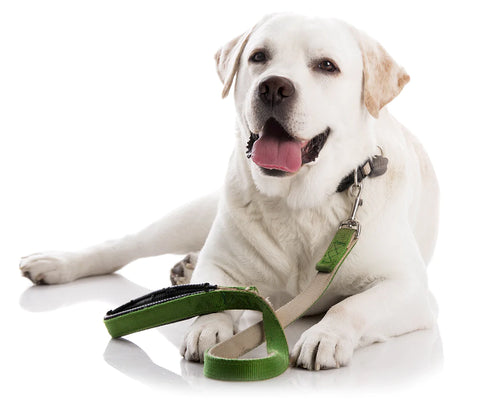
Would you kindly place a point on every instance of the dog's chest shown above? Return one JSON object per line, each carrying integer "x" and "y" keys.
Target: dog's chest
{"x": 293, "y": 241}
{"x": 277, "y": 248}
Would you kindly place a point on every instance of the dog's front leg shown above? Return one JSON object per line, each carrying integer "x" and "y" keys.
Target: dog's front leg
{"x": 208, "y": 330}
{"x": 205, "y": 332}
{"x": 390, "y": 308}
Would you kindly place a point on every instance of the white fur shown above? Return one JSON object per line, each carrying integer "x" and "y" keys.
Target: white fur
{"x": 270, "y": 231}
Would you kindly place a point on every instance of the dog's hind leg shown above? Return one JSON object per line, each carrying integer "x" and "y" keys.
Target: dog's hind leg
{"x": 181, "y": 273}
{"x": 180, "y": 232}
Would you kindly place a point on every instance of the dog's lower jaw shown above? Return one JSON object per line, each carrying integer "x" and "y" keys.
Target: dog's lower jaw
{"x": 270, "y": 186}
{"x": 290, "y": 189}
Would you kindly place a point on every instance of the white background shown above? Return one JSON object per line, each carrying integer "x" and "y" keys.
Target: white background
{"x": 110, "y": 115}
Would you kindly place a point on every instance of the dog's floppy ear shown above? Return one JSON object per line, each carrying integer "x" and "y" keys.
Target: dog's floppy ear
{"x": 228, "y": 57}
{"x": 383, "y": 78}
{"x": 228, "y": 60}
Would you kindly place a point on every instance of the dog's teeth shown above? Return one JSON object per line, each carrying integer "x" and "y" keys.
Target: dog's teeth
{"x": 251, "y": 141}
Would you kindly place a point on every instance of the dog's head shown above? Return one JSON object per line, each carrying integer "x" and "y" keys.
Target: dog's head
{"x": 306, "y": 92}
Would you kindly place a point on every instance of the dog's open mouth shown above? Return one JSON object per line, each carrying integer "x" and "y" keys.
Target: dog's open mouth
{"x": 276, "y": 152}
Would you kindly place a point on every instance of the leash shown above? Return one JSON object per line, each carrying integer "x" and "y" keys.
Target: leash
{"x": 223, "y": 361}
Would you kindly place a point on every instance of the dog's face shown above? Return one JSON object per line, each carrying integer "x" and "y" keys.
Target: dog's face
{"x": 305, "y": 93}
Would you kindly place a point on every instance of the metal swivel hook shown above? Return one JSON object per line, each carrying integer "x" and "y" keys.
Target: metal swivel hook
{"x": 355, "y": 191}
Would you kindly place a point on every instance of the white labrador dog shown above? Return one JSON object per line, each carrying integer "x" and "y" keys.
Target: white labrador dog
{"x": 310, "y": 97}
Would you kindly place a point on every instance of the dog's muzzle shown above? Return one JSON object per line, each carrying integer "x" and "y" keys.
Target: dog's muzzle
{"x": 277, "y": 153}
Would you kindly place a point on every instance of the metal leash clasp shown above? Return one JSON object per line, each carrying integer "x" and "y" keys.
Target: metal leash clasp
{"x": 355, "y": 191}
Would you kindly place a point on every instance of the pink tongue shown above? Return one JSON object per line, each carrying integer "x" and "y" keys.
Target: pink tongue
{"x": 275, "y": 149}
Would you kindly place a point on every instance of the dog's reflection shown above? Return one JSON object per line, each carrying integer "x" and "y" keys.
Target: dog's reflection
{"x": 399, "y": 360}
{"x": 112, "y": 288}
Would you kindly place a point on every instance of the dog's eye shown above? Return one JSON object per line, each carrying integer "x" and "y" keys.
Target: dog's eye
{"x": 258, "y": 57}
{"x": 326, "y": 65}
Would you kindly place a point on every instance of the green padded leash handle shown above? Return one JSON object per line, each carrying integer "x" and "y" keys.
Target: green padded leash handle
{"x": 155, "y": 309}
{"x": 222, "y": 361}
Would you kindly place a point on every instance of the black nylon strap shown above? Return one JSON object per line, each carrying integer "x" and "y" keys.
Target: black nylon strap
{"x": 160, "y": 296}
{"x": 373, "y": 167}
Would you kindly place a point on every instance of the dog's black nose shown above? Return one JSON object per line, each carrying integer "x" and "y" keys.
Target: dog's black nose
{"x": 275, "y": 89}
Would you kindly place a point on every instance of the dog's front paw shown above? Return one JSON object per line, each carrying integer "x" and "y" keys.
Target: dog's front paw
{"x": 54, "y": 267}
{"x": 204, "y": 333}
{"x": 322, "y": 347}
